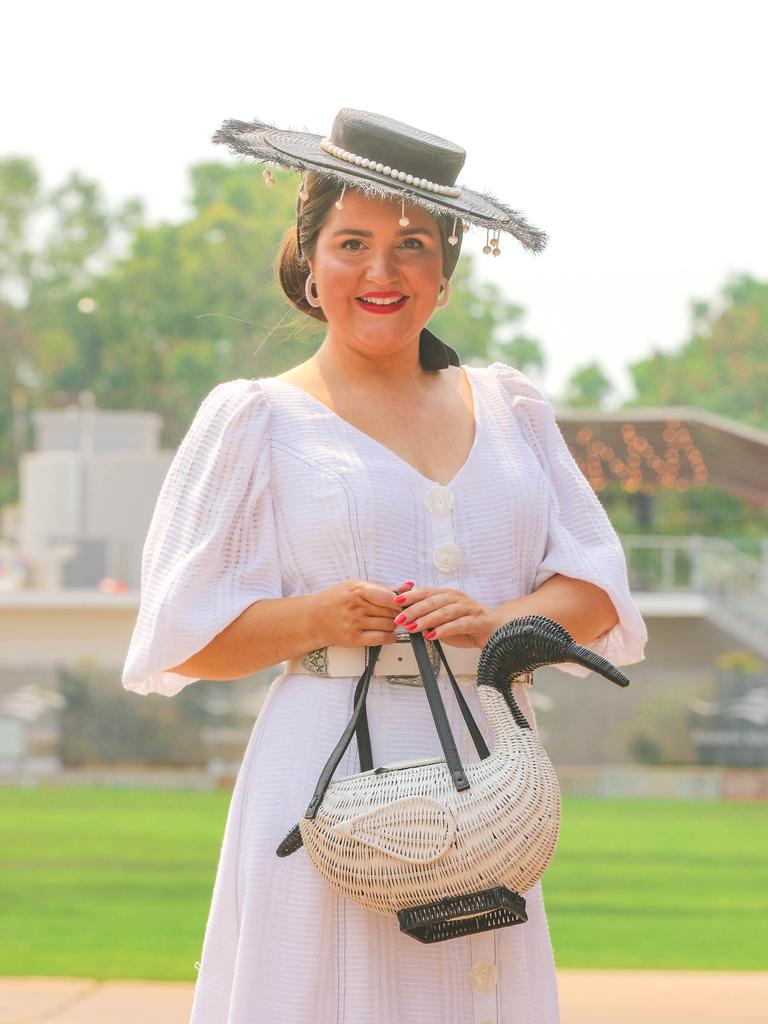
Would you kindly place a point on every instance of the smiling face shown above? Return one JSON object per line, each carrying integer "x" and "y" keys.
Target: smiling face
{"x": 377, "y": 282}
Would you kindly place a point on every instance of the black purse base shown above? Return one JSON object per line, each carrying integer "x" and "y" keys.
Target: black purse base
{"x": 469, "y": 914}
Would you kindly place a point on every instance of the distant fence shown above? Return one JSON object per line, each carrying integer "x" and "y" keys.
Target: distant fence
{"x": 664, "y": 783}
{"x": 623, "y": 782}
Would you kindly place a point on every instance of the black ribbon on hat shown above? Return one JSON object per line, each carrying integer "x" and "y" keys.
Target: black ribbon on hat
{"x": 434, "y": 354}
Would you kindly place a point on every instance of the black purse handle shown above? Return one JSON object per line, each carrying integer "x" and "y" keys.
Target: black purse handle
{"x": 359, "y": 722}
{"x": 363, "y": 735}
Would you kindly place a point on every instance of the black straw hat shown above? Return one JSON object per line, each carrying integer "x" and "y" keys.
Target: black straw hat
{"x": 380, "y": 156}
{"x": 377, "y": 155}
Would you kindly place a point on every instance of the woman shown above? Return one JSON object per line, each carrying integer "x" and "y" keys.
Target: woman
{"x": 377, "y": 486}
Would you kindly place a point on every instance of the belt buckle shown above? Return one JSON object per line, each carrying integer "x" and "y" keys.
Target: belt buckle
{"x": 316, "y": 661}
{"x": 404, "y": 637}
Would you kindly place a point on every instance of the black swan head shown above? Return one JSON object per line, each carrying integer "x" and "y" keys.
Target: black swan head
{"x": 530, "y": 642}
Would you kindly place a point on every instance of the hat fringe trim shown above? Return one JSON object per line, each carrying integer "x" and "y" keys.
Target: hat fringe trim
{"x": 232, "y": 134}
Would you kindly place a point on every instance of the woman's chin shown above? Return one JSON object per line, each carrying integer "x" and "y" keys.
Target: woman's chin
{"x": 378, "y": 325}
{"x": 394, "y": 333}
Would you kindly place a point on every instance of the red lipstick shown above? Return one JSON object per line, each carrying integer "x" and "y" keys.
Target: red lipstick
{"x": 393, "y": 301}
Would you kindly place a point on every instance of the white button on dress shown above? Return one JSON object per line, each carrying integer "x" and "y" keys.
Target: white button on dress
{"x": 483, "y": 975}
{"x": 439, "y": 501}
{"x": 447, "y": 557}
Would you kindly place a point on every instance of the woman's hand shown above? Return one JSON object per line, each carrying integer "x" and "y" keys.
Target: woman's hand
{"x": 447, "y": 615}
{"x": 355, "y": 613}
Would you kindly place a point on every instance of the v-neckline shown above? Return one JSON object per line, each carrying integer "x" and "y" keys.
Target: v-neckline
{"x": 377, "y": 444}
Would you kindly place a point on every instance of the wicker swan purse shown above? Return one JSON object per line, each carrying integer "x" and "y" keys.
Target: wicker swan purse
{"x": 445, "y": 847}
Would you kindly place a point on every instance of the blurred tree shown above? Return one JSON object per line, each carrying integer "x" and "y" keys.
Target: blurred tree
{"x": 17, "y": 377}
{"x": 54, "y": 239}
{"x": 82, "y": 237}
{"x": 19, "y": 201}
{"x": 724, "y": 364}
{"x": 524, "y": 353}
{"x": 587, "y": 387}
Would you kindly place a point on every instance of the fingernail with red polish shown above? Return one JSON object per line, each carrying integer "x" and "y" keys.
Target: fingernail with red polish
{"x": 400, "y": 598}
{"x": 411, "y": 626}
{"x": 430, "y": 633}
{"x": 401, "y": 618}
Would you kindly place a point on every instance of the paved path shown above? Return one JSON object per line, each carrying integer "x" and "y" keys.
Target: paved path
{"x": 587, "y": 997}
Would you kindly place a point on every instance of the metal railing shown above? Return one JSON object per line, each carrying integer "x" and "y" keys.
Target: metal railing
{"x": 735, "y": 583}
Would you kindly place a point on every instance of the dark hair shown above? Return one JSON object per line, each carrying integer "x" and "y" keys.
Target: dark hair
{"x": 292, "y": 267}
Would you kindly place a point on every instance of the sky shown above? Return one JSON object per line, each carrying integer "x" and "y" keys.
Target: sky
{"x": 633, "y": 133}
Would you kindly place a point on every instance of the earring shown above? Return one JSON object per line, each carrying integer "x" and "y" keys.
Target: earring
{"x": 452, "y": 240}
{"x": 443, "y": 300}
{"x": 313, "y": 300}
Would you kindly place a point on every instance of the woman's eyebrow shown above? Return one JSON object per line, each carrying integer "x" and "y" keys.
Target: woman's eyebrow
{"x": 368, "y": 234}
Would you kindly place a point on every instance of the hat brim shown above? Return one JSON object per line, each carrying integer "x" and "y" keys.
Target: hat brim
{"x": 302, "y": 151}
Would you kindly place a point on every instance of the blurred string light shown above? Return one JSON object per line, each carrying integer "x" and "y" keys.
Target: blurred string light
{"x": 640, "y": 468}
{"x": 86, "y": 304}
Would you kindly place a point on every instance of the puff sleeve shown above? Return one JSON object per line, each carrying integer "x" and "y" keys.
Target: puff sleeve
{"x": 581, "y": 541}
{"x": 210, "y": 550}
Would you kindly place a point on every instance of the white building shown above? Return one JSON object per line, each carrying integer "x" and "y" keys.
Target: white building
{"x": 87, "y": 494}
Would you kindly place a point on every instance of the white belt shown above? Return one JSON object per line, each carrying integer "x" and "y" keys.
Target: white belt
{"x": 397, "y": 661}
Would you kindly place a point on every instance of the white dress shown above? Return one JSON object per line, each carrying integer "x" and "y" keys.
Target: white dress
{"x": 271, "y": 494}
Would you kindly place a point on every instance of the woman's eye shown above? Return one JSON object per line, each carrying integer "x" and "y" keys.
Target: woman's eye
{"x": 355, "y": 244}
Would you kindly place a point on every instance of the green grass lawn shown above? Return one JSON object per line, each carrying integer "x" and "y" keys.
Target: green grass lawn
{"x": 116, "y": 883}
{"x": 660, "y": 884}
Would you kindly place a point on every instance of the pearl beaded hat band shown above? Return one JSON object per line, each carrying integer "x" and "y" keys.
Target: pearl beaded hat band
{"x": 361, "y": 161}
{"x": 380, "y": 156}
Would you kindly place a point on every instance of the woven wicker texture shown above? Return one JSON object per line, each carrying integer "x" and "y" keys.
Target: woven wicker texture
{"x": 401, "y": 836}
{"x": 417, "y": 847}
